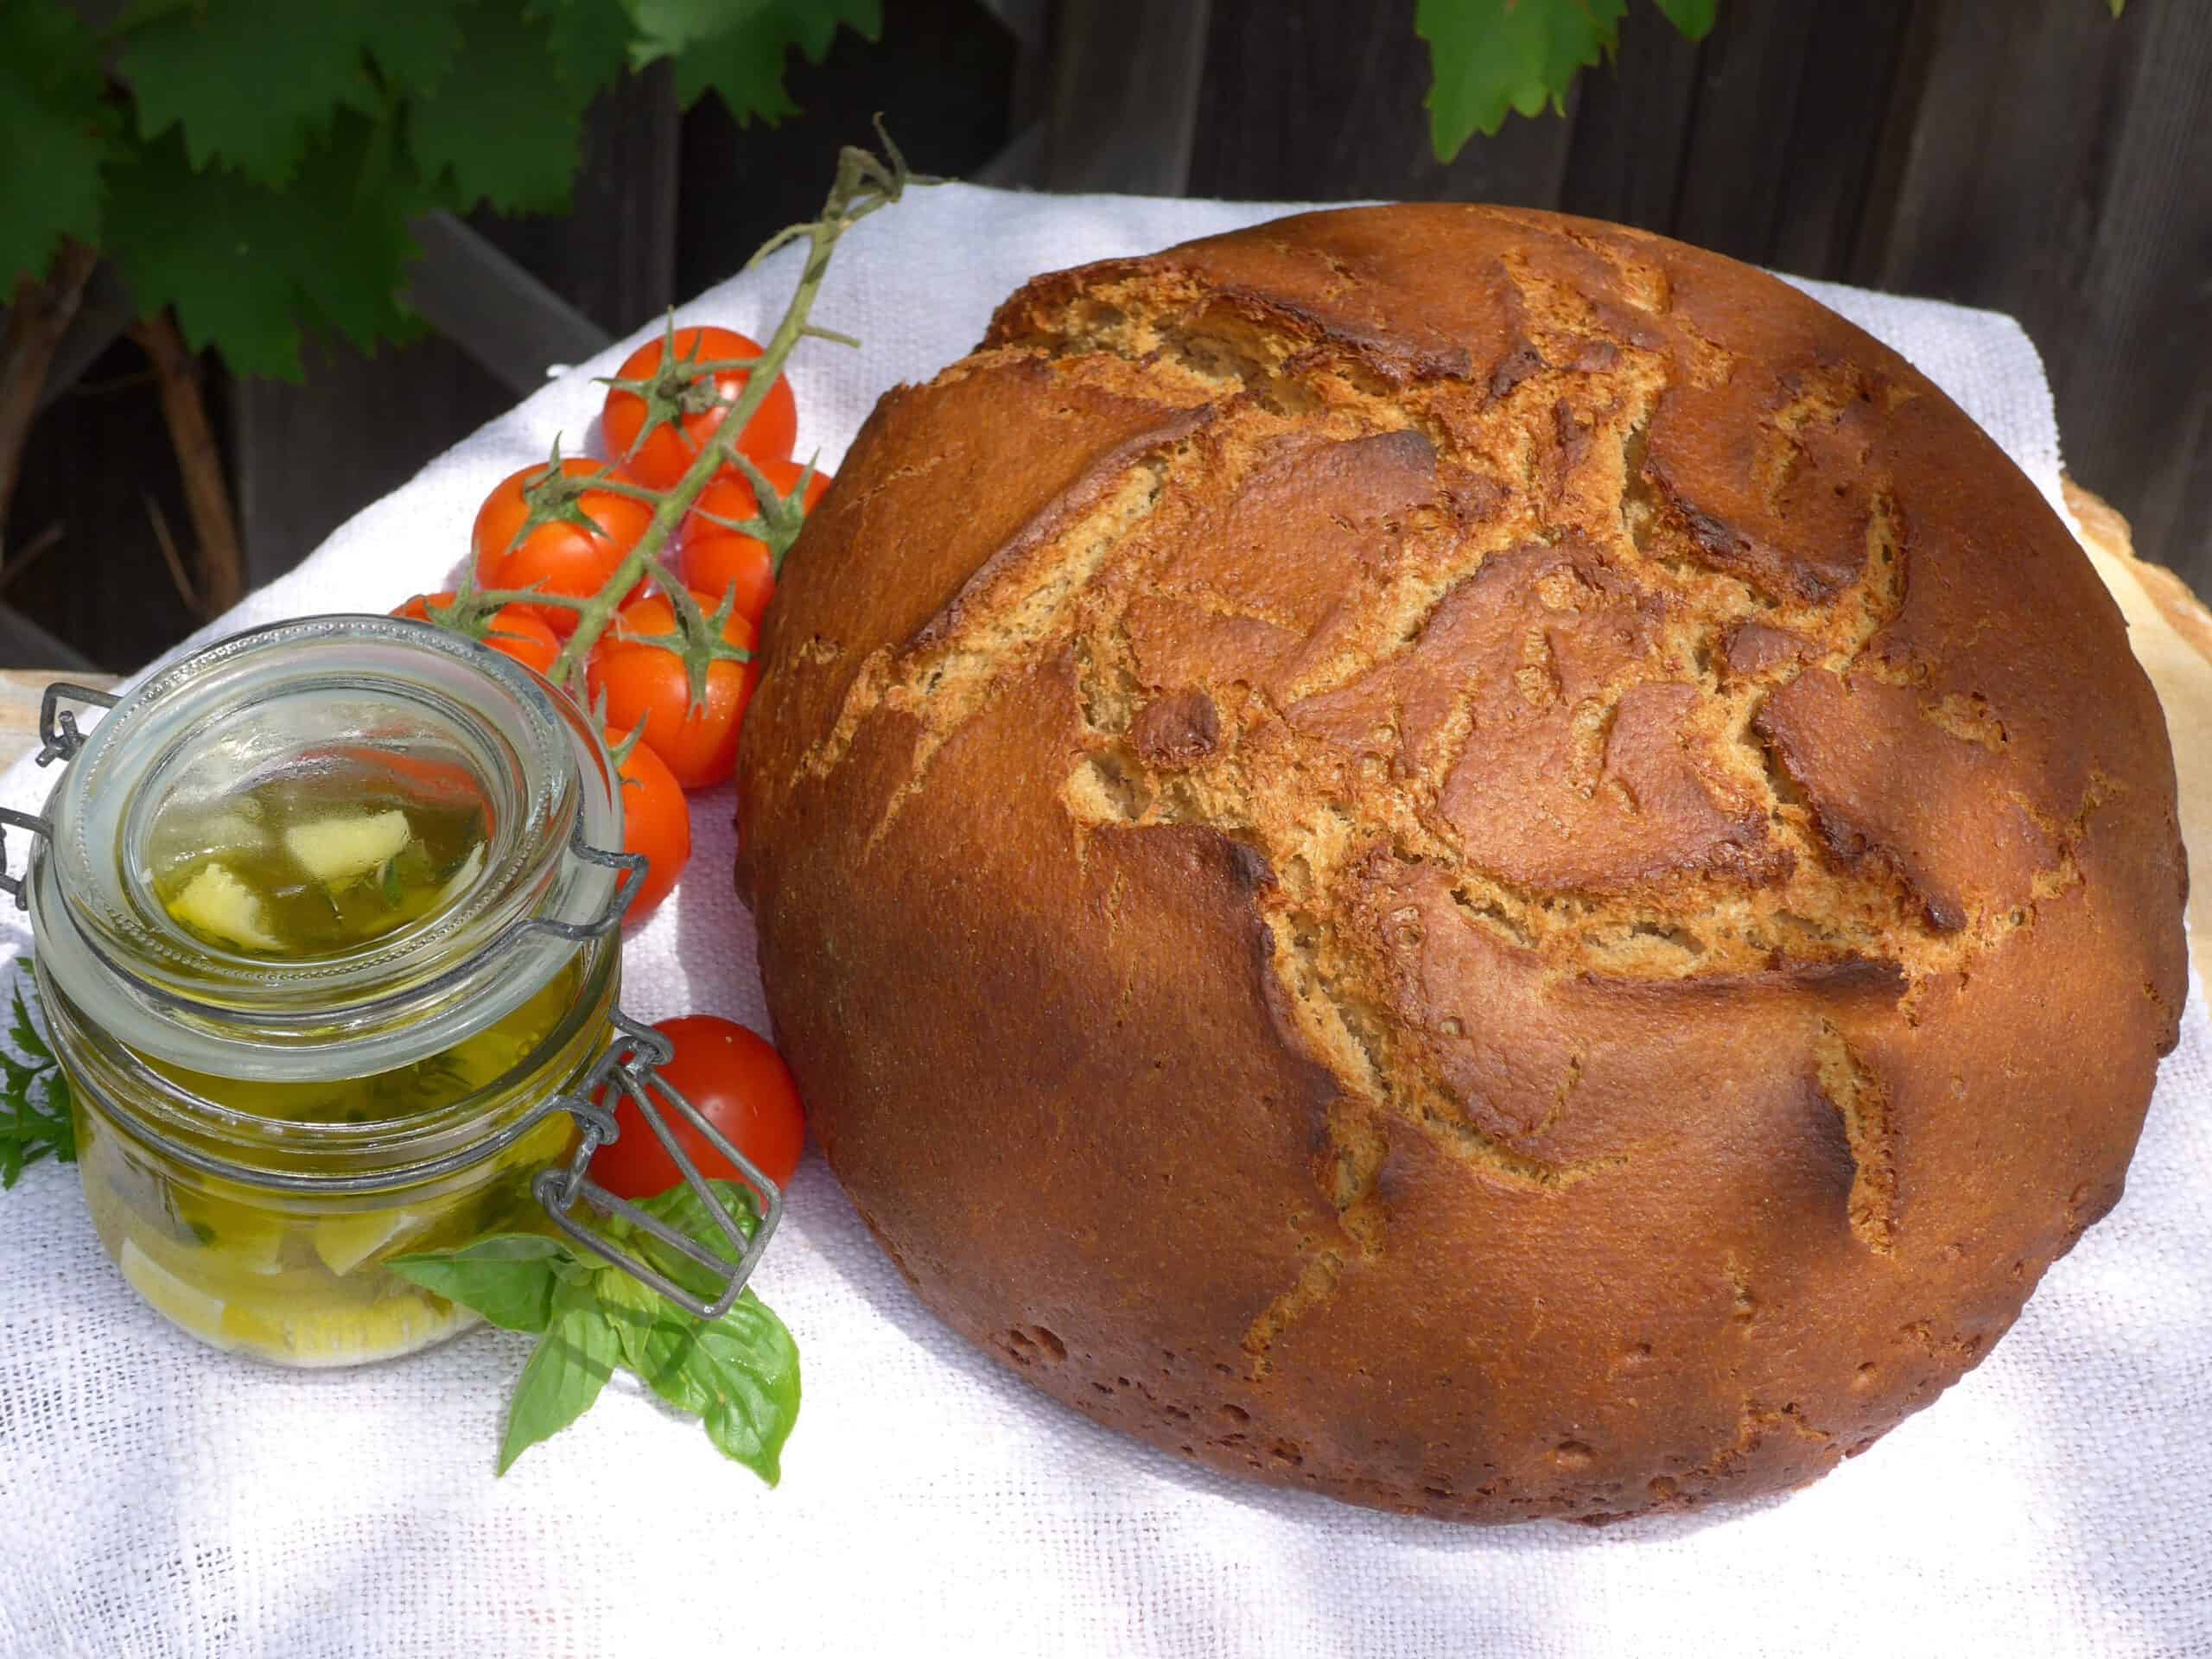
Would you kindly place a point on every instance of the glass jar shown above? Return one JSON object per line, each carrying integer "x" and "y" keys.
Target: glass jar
{"x": 262, "y": 1128}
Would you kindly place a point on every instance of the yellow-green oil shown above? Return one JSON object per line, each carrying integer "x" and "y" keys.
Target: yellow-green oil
{"x": 318, "y": 861}
{"x": 292, "y": 1280}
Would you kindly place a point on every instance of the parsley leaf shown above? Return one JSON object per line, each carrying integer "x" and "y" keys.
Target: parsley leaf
{"x": 57, "y": 134}
{"x": 37, "y": 1116}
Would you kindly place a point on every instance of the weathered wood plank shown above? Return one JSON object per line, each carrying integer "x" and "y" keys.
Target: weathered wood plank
{"x": 1124, "y": 95}
{"x": 941, "y": 76}
{"x": 308, "y": 457}
{"x": 1315, "y": 100}
{"x": 1631, "y": 121}
{"x": 1841, "y": 118}
{"x": 98, "y": 466}
{"x": 2058, "y": 165}
{"x": 512, "y": 325}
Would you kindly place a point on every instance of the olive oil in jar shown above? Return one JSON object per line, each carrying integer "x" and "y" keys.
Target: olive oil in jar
{"x": 327, "y": 920}
{"x": 316, "y": 862}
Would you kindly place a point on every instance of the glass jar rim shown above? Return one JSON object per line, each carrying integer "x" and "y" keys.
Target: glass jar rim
{"x": 546, "y": 882}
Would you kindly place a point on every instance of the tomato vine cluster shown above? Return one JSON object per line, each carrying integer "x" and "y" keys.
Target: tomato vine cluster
{"x": 669, "y": 671}
{"x": 636, "y": 582}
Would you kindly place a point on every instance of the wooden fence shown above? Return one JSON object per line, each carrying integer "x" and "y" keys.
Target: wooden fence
{"x": 2031, "y": 156}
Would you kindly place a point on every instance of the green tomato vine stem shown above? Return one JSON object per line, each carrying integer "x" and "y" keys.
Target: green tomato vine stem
{"x": 864, "y": 182}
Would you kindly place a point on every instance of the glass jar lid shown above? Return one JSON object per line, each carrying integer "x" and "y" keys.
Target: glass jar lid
{"x": 363, "y": 714}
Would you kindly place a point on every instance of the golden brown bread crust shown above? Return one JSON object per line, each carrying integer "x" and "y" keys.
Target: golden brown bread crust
{"x": 1461, "y": 857}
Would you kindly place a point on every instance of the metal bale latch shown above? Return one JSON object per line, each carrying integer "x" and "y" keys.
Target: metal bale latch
{"x": 630, "y": 1066}
{"x": 59, "y": 739}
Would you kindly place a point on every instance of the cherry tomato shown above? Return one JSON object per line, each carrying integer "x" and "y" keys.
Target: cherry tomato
{"x": 516, "y": 631}
{"x": 656, "y": 821}
{"x": 657, "y": 430}
{"x": 647, "y": 682}
{"x": 559, "y": 554}
{"x": 717, "y": 558}
{"x": 739, "y": 1084}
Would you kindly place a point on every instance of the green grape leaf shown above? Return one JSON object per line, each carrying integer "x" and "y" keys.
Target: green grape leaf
{"x": 566, "y": 1371}
{"x": 1694, "y": 18}
{"x": 415, "y": 55}
{"x": 247, "y": 266}
{"x": 2118, "y": 6}
{"x": 737, "y": 47}
{"x": 508, "y": 1278}
{"x": 590, "y": 39}
{"x": 357, "y": 198}
{"x": 506, "y": 128}
{"x": 1489, "y": 56}
{"x": 54, "y": 134}
{"x": 251, "y": 86}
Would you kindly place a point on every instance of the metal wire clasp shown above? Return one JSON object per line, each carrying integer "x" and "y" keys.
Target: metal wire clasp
{"x": 60, "y": 740}
{"x": 629, "y": 1065}
{"x": 57, "y": 727}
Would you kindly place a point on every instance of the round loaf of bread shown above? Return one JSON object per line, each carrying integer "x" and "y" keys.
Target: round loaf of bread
{"x": 1462, "y": 858}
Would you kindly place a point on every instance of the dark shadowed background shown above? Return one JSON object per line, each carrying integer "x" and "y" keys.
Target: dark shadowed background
{"x": 2031, "y": 156}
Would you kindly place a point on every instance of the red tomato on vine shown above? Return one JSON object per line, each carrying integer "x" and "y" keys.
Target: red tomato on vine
{"x": 716, "y": 559}
{"x": 516, "y": 631}
{"x": 668, "y": 400}
{"x": 656, "y": 821}
{"x": 643, "y": 682}
{"x": 550, "y": 530}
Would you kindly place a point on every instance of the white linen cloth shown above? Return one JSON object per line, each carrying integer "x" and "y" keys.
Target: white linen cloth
{"x": 157, "y": 1499}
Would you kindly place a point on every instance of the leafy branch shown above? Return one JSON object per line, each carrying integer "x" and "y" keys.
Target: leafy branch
{"x": 252, "y": 171}
{"x": 35, "y": 1107}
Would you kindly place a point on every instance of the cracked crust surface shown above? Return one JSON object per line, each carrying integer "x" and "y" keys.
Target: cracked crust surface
{"x": 1461, "y": 857}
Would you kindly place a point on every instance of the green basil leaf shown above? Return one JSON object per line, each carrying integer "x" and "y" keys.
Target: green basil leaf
{"x": 570, "y": 1364}
{"x": 633, "y": 1309}
{"x": 509, "y": 1278}
{"x": 739, "y": 1375}
{"x": 683, "y": 1210}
